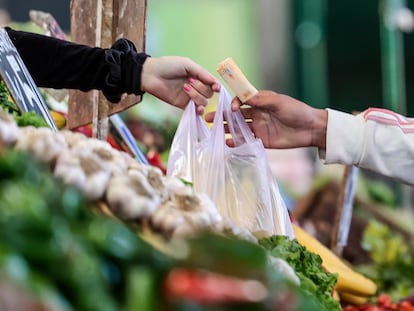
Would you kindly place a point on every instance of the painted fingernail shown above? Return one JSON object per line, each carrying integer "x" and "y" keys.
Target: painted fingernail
{"x": 187, "y": 87}
{"x": 191, "y": 79}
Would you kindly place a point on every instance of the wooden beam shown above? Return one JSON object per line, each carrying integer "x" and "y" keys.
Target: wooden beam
{"x": 100, "y": 23}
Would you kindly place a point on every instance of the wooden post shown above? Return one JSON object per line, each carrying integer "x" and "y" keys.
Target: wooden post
{"x": 101, "y": 23}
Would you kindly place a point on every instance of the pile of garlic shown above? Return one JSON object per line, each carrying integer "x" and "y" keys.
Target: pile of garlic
{"x": 132, "y": 191}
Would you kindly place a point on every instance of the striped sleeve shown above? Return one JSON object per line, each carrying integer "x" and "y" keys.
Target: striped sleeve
{"x": 376, "y": 139}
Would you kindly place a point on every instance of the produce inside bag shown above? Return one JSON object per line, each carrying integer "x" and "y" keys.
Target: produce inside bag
{"x": 237, "y": 179}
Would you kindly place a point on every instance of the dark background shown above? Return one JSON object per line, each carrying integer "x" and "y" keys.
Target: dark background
{"x": 19, "y": 10}
{"x": 354, "y": 56}
{"x": 353, "y": 50}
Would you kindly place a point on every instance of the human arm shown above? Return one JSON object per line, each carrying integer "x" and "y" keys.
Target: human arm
{"x": 59, "y": 64}
{"x": 121, "y": 69}
{"x": 376, "y": 139}
{"x": 281, "y": 121}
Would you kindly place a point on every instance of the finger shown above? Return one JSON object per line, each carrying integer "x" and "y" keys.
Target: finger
{"x": 227, "y": 130}
{"x": 216, "y": 86}
{"x": 246, "y": 112}
{"x": 266, "y": 99}
{"x": 200, "y": 110}
{"x": 235, "y": 104}
{"x": 199, "y": 99}
{"x": 230, "y": 142}
{"x": 204, "y": 89}
{"x": 198, "y": 72}
{"x": 209, "y": 117}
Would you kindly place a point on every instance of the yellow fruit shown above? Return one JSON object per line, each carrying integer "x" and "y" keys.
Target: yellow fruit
{"x": 335, "y": 295}
{"x": 349, "y": 281}
{"x": 59, "y": 119}
{"x": 354, "y": 283}
{"x": 352, "y": 299}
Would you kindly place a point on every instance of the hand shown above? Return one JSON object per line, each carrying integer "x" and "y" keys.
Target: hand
{"x": 176, "y": 80}
{"x": 281, "y": 121}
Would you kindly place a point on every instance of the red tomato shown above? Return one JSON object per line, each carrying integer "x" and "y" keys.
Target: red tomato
{"x": 406, "y": 306}
{"x": 154, "y": 158}
{"x": 384, "y": 300}
{"x": 208, "y": 288}
{"x": 115, "y": 145}
{"x": 85, "y": 129}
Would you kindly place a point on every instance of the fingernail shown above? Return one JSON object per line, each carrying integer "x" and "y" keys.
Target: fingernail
{"x": 187, "y": 87}
{"x": 191, "y": 79}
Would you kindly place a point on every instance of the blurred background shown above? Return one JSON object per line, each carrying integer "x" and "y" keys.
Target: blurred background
{"x": 328, "y": 54}
{"x": 348, "y": 55}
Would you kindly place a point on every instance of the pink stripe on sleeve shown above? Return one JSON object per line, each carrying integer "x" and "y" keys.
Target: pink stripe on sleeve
{"x": 388, "y": 117}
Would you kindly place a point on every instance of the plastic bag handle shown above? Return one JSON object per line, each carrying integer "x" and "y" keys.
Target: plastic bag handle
{"x": 217, "y": 129}
{"x": 238, "y": 128}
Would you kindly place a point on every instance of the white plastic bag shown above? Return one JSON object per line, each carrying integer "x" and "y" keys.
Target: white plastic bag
{"x": 238, "y": 179}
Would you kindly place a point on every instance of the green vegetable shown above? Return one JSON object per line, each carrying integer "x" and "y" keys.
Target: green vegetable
{"x": 392, "y": 261}
{"x": 22, "y": 118}
{"x": 6, "y": 102}
{"x": 230, "y": 256}
{"x": 315, "y": 281}
{"x": 30, "y": 118}
{"x": 52, "y": 244}
{"x": 56, "y": 248}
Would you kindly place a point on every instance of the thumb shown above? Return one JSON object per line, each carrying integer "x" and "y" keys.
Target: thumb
{"x": 235, "y": 104}
{"x": 264, "y": 99}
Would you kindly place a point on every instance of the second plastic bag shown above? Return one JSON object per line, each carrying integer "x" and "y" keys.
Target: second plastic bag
{"x": 237, "y": 179}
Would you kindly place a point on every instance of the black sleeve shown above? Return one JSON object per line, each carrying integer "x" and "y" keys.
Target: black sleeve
{"x": 58, "y": 64}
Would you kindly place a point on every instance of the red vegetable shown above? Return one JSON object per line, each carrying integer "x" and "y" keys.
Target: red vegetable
{"x": 87, "y": 131}
{"x": 154, "y": 158}
{"x": 207, "y": 288}
{"x": 383, "y": 303}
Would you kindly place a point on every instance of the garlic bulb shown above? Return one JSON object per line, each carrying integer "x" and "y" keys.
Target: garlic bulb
{"x": 184, "y": 231}
{"x": 172, "y": 184}
{"x": 111, "y": 158}
{"x": 185, "y": 212}
{"x": 157, "y": 180}
{"x": 45, "y": 144}
{"x": 72, "y": 138}
{"x": 133, "y": 191}
{"x": 199, "y": 209}
{"x": 9, "y": 130}
{"x": 85, "y": 171}
{"x": 167, "y": 218}
{"x": 131, "y": 197}
{"x": 68, "y": 170}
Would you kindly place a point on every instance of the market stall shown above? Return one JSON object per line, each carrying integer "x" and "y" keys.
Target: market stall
{"x": 85, "y": 225}
{"x": 119, "y": 246}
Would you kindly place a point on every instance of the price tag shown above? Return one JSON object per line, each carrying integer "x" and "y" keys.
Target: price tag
{"x": 19, "y": 82}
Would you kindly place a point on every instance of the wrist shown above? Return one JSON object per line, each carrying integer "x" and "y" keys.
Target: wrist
{"x": 146, "y": 73}
{"x": 319, "y": 128}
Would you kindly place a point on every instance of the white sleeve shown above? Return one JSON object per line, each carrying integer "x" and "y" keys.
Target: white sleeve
{"x": 376, "y": 139}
